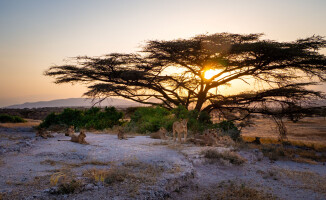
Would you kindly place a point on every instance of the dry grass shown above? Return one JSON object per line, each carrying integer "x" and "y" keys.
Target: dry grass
{"x": 274, "y": 152}
{"x": 310, "y": 180}
{"x": 308, "y": 132}
{"x": 48, "y": 162}
{"x": 229, "y": 156}
{"x": 128, "y": 177}
{"x": 233, "y": 191}
{"x": 160, "y": 143}
{"x": 107, "y": 176}
{"x": 69, "y": 165}
{"x": 66, "y": 182}
{"x": 29, "y": 123}
{"x": 92, "y": 162}
{"x": 146, "y": 172}
{"x": 132, "y": 170}
{"x": 175, "y": 169}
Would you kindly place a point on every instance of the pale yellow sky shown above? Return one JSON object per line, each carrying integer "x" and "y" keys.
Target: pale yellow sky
{"x": 36, "y": 34}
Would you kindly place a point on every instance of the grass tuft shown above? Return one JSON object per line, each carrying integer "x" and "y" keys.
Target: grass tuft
{"x": 234, "y": 191}
{"x": 230, "y": 156}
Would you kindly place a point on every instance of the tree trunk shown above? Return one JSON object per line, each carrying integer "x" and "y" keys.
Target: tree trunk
{"x": 200, "y": 102}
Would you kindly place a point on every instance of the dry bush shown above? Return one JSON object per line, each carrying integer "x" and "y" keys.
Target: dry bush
{"x": 144, "y": 171}
{"x": 270, "y": 174}
{"x": 233, "y": 191}
{"x": 175, "y": 169}
{"x": 304, "y": 160}
{"x": 48, "y": 162}
{"x": 92, "y": 162}
{"x": 132, "y": 171}
{"x": 272, "y": 152}
{"x": 310, "y": 180}
{"x": 107, "y": 176}
{"x": 66, "y": 181}
{"x": 230, "y": 156}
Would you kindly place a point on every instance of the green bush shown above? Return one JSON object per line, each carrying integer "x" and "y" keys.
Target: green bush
{"x": 5, "y": 118}
{"x": 151, "y": 119}
{"x": 92, "y": 118}
{"x": 230, "y": 129}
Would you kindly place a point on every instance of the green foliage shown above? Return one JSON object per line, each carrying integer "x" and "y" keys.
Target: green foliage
{"x": 5, "y": 118}
{"x": 101, "y": 120}
{"x": 230, "y": 129}
{"x": 151, "y": 119}
{"x": 92, "y": 118}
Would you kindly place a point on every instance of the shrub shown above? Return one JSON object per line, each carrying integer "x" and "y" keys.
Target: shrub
{"x": 67, "y": 188}
{"x": 151, "y": 119}
{"x": 5, "y": 118}
{"x": 273, "y": 152}
{"x": 230, "y": 129}
{"x": 92, "y": 118}
{"x": 232, "y": 157}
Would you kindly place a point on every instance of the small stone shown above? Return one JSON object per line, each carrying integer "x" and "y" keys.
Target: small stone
{"x": 23, "y": 179}
{"x": 47, "y": 190}
{"x": 89, "y": 187}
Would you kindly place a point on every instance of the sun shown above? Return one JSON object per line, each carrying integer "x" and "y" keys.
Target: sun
{"x": 210, "y": 73}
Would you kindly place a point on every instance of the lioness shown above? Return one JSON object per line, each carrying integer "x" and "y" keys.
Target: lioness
{"x": 70, "y": 131}
{"x": 77, "y": 138}
{"x": 121, "y": 134}
{"x": 180, "y": 127}
{"x": 41, "y": 132}
{"x": 161, "y": 134}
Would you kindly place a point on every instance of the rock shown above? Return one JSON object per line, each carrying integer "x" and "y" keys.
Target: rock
{"x": 53, "y": 190}
{"x": 23, "y": 179}
{"x": 47, "y": 190}
{"x": 90, "y": 186}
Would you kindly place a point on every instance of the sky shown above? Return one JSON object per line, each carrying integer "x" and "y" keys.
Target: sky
{"x": 37, "y": 34}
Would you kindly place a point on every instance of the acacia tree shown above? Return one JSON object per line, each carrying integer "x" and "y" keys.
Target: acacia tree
{"x": 174, "y": 73}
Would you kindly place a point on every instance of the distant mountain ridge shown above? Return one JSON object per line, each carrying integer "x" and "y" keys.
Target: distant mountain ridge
{"x": 77, "y": 102}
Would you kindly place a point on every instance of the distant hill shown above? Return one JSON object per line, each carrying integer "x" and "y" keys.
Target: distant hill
{"x": 76, "y": 102}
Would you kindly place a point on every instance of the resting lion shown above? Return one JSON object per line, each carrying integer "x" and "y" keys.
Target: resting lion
{"x": 42, "y": 132}
{"x": 70, "y": 131}
{"x": 180, "y": 127}
{"x": 77, "y": 138}
{"x": 212, "y": 137}
{"x": 161, "y": 134}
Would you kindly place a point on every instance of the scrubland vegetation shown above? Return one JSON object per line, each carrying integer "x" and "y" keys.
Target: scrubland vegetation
{"x": 130, "y": 178}
{"x": 5, "y": 118}
{"x": 92, "y": 118}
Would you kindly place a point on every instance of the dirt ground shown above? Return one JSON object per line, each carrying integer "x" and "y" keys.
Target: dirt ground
{"x": 145, "y": 168}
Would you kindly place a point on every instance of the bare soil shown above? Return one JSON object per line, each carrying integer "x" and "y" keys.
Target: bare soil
{"x": 145, "y": 168}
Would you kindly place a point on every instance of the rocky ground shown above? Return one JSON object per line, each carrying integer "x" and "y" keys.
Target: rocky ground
{"x": 144, "y": 168}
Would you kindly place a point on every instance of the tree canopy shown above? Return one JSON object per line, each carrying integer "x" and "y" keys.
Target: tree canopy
{"x": 174, "y": 72}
